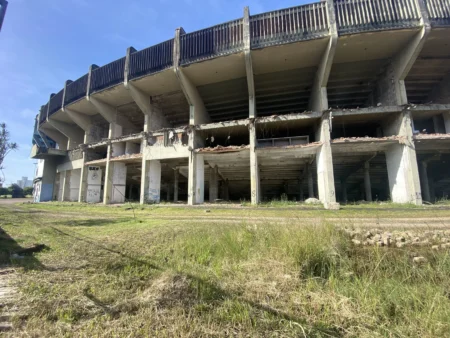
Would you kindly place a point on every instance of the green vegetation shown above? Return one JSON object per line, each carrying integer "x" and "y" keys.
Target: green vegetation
{"x": 171, "y": 272}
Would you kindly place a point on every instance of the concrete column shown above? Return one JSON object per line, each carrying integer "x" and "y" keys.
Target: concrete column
{"x": 425, "y": 184}
{"x": 74, "y": 184}
{"x": 432, "y": 191}
{"x": 324, "y": 163}
{"x": 213, "y": 184}
{"x": 176, "y": 174}
{"x": 83, "y": 180}
{"x": 310, "y": 181}
{"x": 197, "y": 111}
{"x": 254, "y": 168}
{"x": 344, "y": 190}
{"x": 446, "y": 117}
{"x": 367, "y": 185}
{"x": 196, "y": 179}
{"x": 300, "y": 186}
{"x": 391, "y": 88}
{"x": 151, "y": 182}
{"x": 249, "y": 64}
{"x": 319, "y": 99}
{"x": 401, "y": 161}
{"x": 65, "y": 186}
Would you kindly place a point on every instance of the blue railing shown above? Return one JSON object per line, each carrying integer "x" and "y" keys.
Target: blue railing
{"x": 55, "y": 102}
{"x": 151, "y": 60}
{"x": 76, "y": 90}
{"x": 354, "y": 16}
{"x": 107, "y": 76}
{"x": 226, "y": 38}
{"x": 439, "y": 12}
{"x": 289, "y": 25}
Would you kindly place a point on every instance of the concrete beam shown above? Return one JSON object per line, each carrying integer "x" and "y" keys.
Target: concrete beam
{"x": 249, "y": 64}
{"x": 319, "y": 99}
{"x": 197, "y": 110}
{"x": 110, "y": 114}
{"x": 391, "y": 88}
{"x": 56, "y": 135}
{"x": 74, "y": 134}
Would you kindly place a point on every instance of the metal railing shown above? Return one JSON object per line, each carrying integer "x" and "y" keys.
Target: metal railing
{"x": 438, "y": 12}
{"x": 55, "y": 102}
{"x": 76, "y": 90}
{"x": 289, "y": 25}
{"x": 226, "y": 38}
{"x": 108, "y": 75}
{"x": 43, "y": 113}
{"x": 151, "y": 60}
{"x": 354, "y": 16}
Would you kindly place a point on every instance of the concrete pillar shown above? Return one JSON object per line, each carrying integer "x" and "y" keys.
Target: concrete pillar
{"x": 64, "y": 186}
{"x": 254, "y": 167}
{"x": 151, "y": 182}
{"x": 391, "y": 88}
{"x": 176, "y": 175}
{"x": 249, "y": 64}
{"x": 425, "y": 184}
{"x": 168, "y": 193}
{"x": 83, "y": 180}
{"x": 319, "y": 99}
{"x": 344, "y": 190}
{"x": 310, "y": 180}
{"x": 324, "y": 163}
{"x": 446, "y": 117}
{"x": 74, "y": 184}
{"x": 196, "y": 179}
{"x": 92, "y": 185}
{"x": 403, "y": 173}
{"x": 46, "y": 171}
{"x": 367, "y": 185}
{"x": 300, "y": 193}
{"x": 213, "y": 184}
{"x": 432, "y": 190}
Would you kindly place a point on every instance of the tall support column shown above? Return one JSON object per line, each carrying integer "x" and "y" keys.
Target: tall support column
{"x": 425, "y": 184}
{"x": 310, "y": 181}
{"x": 65, "y": 186}
{"x": 401, "y": 161}
{"x": 367, "y": 185}
{"x": 446, "y": 117}
{"x": 254, "y": 167}
{"x": 83, "y": 180}
{"x": 344, "y": 190}
{"x": 300, "y": 188}
{"x": 324, "y": 163}
{"x": 249, "y": 64}
{"x": 213, "y": 184}
{"x": 197, "y": 111}
{"x": 319, "y": 99}
{"x": 196, "y": 177}
{"x": 176, "y": 177}
{"x": 391, "y": 86}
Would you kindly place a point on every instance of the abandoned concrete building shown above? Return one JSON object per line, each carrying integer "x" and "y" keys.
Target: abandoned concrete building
{"x": 342, "y": 100}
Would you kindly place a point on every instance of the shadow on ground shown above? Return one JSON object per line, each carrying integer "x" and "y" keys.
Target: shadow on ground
{"x": 9, "y": 246}
{"x": 218, "y": 294}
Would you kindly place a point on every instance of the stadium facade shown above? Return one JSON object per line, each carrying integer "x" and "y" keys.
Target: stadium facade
{"x": 340, "y": 100}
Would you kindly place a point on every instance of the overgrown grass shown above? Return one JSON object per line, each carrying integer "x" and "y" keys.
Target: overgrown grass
{"x": 109, "y": 274}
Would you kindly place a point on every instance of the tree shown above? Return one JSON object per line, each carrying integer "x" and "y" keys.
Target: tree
{"x": 28, "y": 191}
{"x": 5, "y": 146}
{"x": 16, "y": 191}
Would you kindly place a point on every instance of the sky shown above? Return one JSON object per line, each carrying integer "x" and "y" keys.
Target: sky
{"x": 44, "y": 43}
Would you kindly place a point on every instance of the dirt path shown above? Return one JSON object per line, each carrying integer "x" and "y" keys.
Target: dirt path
{"x": 8, "y": 293}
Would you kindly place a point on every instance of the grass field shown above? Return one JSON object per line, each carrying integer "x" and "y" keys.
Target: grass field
{"x": 243, "y": 272}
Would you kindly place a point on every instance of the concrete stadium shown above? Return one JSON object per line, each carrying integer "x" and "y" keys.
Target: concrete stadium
{"x": 342, "y": 100}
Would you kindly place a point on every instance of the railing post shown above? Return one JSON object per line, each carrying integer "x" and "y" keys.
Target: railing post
{"x": 88, "y": 88}
{"x": 126, "y": 73}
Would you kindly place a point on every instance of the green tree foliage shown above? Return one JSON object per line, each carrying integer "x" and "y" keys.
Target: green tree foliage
{"x": 16, "y": 191}
{"x": 28, "y": 191}
{"x": 5, "y": 146}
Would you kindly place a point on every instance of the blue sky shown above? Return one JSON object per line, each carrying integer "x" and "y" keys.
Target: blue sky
{"x": 45, "y": 42}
